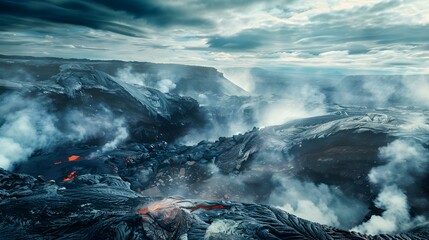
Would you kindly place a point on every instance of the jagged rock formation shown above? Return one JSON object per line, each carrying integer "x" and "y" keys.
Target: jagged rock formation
{"x": 103, "y": 207}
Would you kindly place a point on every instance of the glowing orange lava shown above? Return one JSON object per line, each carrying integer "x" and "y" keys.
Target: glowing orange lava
{"x": 143, "y": 211}
{"x": 70, "y": 176}
{"x": 155, "y": 206}
{"x": 56, "y": 163}
{"x": 73, "y": 158}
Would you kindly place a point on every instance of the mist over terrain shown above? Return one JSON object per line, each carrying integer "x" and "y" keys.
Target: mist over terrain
{"x": 344, "y": 151}
{"x": 214, "y": 119}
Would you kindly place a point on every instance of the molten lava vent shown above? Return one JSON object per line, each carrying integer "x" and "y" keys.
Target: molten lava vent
{"x": 70, "y": 176}
{"x": 73, "y": 158}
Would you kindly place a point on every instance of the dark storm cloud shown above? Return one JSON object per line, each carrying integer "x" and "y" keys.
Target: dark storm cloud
{"x": 156, "y": 14}
{"x": 248, "y": 39}
{"x": 319, "y": 38}
{"x": 224, "y": 4}
{"x": 362, "y": 32}
{"x": 400, "y": 34}
{"x": 23, "y": 13}
{"x": 356, "y": 49}
{"x": 116, "y": 16}
{"x": 238, "y": 42}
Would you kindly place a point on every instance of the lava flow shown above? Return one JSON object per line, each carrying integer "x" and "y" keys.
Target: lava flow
{"x": 69, "y": 159}
{"x": 70, "y": 176}
{"x": 153, "y": 207}
{"x": 73, "y": 158}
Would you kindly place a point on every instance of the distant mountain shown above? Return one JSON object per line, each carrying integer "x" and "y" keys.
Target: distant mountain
{"x": 183, "y": 79}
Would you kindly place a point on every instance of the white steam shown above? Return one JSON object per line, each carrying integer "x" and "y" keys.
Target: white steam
{"x": 418, "y": 89}
{"x": 383, "y": 91}
{"x": 240, "y": 77}
{"x": 379, "y": 95}
{"x": 222, "y": 229}
{"x": 27, "y": 127}
{"x": 319, "y": 203}
{"x": 215, "y": 131}
{"x": 366, "y": 90}
{"x": 121, "y": 135}
{"x": 299, "y": 102}
{"x": 396, "y": 216}
{"x": 406, "y": 163}
{"x": 80, "y": 126}
{"x": 128, "y": 76}
{"x": 415, "y": 122}
{"x": 165, "y": 85}
{"x": 296, "y": 100}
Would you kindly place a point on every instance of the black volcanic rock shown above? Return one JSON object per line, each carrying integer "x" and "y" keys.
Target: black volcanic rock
{"x": 106, "y": 209}
{"x": 151, "y": 115}
{"x": 188, "y": 80}
{"x": 92, "y": 87}
{"x": 104, "y": 154}
{"x": 336, "y": 150}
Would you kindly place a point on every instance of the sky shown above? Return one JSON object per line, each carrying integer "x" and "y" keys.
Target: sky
{"x": 366, "y": 35}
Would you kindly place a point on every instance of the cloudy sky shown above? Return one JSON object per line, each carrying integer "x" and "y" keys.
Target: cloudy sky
{"x": 388, "y": 35}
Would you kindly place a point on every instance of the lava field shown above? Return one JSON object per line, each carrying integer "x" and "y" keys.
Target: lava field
{"x": 87, "y": 155}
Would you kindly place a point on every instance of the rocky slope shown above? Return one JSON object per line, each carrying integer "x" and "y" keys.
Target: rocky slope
{"x": 95, "y": 207}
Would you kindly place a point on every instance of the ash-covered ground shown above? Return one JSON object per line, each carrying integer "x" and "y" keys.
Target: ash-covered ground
{"x": 128, "y": 150}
